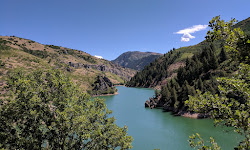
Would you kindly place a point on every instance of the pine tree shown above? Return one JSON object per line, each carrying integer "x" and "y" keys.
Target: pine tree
{"x": 213, "y": 62}
{"x": 223, "y": 55}
{"x": 200, "y": 84}
{"x": 174, "y": 99}
{"x": 205, "y": 65}
{"x": 165, "y": 95}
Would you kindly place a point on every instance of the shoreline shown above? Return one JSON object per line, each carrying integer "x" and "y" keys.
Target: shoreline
{"x": 116, "y": 93}
{"x": 192, "y": 115}
{"x": 120, "y": 85}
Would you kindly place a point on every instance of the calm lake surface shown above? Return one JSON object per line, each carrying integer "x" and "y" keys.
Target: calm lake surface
{"x": 153, "y": 128}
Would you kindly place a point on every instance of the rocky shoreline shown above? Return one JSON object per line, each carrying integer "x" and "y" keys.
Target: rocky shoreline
{"x": 156, "y": 103}
{"x": 105, "y": 94}
{"x": 192, "y": 115}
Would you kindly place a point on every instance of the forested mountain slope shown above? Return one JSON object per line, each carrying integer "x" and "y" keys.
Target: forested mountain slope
{"x": 198, "y": 72}
{"x": 135, "y": 59}
{"x": 165, "y": 67}
{"x": 84, "y": 69}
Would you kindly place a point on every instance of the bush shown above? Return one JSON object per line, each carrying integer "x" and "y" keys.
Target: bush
{"x": 48, "y": 110}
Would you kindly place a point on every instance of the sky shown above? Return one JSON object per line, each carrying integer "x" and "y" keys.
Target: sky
{"x": 108, "y": 28}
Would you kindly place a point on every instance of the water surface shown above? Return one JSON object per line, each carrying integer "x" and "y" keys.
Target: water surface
{"x": 153, "y": 128}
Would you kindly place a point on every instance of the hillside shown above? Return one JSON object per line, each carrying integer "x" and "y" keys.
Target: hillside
{"x": 135, "y": 59}
{"x": 84, "y": 69}
{"x": 165, "y": 67}
{"x": 244, "y": 25}
{"x": 180, "y": 72}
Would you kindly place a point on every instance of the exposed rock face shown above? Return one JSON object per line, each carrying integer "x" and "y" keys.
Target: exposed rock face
{"x": 102, "y": 83}
{"x": 154, "y": 102}
{"x": 112, "y": 68}
{"x": 192, "y": 115}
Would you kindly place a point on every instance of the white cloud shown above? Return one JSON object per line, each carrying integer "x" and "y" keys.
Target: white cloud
{"x": 186, "y": 32}
{"x": 186, "y": 37}
{"x": 100, "y": 57}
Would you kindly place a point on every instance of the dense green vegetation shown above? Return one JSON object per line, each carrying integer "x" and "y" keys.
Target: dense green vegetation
{"x": 154, "y": 72}
{"x": 38, "y": 53}
{"x": 200, "y": 72}
{"x": 244, "y": 25}
{"x": 45, "y": 110}
{"x": 158, "y": 76}
{"x": 231, "y": 106}
{"x": 210, "y": 68}
{"x": 3, "y": 44}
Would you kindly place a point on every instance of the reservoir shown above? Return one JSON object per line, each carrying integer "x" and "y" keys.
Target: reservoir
{"x": 156, "y": 129}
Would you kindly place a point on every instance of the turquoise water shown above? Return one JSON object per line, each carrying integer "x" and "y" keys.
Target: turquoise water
{"x": 153, "y": 128}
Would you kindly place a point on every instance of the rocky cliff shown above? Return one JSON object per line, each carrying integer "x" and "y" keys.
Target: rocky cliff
{"x": 102, "y": 86}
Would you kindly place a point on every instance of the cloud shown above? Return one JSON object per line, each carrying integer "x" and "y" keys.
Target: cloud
{"x": 186, "y": 37}
{"x": 186, "y": 32}
{"x": 100, "y": 57}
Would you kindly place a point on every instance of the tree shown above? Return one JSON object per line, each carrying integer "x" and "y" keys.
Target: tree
{"x": 231, "y": 107}
{"x": 213, "y": 61}
{"x": 157, "y": 93}
{"x": 197, "y": 141}
{"x": 223, "y": 55}
{"x": 165, "y": 96}
{"x": 200, "y": 84}
{"x": 237, "y": 44}
{"x": 47, "y": 109}
{"x": 174, "y": 99}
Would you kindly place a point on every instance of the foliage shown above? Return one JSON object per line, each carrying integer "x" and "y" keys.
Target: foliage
{"x": 197, "y": 141}
{"x": 244, "y": 25}
{"x": 46, "y": 110}
{"x": 2, "y": 64}
{"x": 38, "y": 53}
{"x": 155, "y": 71}
{"x": 237, "y": 44}
{"x": 53, "y": 46}
{"x": 87, "y": 58}
{"x": 210, "y": 60}
{"x": 199, "y": 72}
{"x": 202, "y": 69}
{"x": 231, "y": 106}
{"x": 3, "y": 45}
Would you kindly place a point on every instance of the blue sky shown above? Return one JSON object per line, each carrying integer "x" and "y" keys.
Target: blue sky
{"x": 108, "y": 28}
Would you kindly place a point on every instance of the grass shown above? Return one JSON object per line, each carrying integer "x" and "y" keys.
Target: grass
{"x": 55, "y": 57}
{"x": 114, "y": 77}
{"x": 184, "y": 56}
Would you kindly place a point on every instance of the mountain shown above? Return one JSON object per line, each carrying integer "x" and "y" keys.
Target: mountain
{"x": 135, "y": 59}
{"x": 84, "y": 69}
{"x": 165, "y": 67}
{"x": 244, "y": 25}
{"x": 180, "y": 72}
